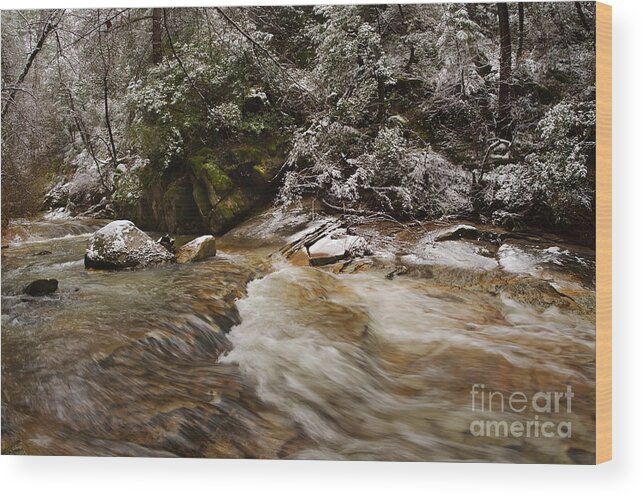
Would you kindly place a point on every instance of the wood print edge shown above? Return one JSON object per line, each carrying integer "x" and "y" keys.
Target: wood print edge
{"x": 603, "y": 232}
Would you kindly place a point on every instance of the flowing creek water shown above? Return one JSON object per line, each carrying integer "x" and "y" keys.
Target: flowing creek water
{"x": 249, "y": 355}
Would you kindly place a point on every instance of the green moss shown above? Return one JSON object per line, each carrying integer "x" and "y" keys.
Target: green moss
{"x": 180, "y": 211}
{"x": 232, "y": 208}
{"x": 256, "y": 125}
{"x": 274, "y": 146}
{"x": 207, "y": 169}
{"x": 261, "y": 170}
{"x": 262, "y": 161}
{"x": 247, "y": 154}
{"x": 217, "y": 178}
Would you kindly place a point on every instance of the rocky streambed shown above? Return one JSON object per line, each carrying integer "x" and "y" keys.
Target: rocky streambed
{"x": 306, "y": 336}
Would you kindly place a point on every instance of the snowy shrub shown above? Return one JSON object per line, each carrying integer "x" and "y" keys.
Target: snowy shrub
{"x": 557, "y": 180}
{"x": 226, "y": 116}
{"x": 561, "y": 168}
{"x": 172, "y": 108}
{"x": 388, "y": 173}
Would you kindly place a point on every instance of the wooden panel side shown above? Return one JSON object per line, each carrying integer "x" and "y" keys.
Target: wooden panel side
{"x": 603, "y": 232}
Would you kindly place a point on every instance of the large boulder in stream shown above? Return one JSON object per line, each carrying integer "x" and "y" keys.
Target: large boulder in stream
{"x": 198, "y": 249}
{"x": 120, "y": 245}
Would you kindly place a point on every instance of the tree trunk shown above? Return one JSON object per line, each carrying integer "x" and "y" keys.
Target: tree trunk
{"x": 157, "y": 52}
{"x": 504, "y": 87}
{"x": 78, "y": 121}
{"x": 106, "y": 66}
{"x": 108, "y": 122}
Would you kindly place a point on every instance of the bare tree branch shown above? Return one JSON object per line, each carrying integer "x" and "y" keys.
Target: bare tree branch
{"x": 52, "y": 22}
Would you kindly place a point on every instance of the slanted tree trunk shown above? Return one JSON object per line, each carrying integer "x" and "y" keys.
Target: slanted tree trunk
{"x": 51, "y": 24}
{"x": 106, "y": 62}
{"x": 157, "y": 25}
{"x": 78, "y": 121}
{"x": 504, "y": 87}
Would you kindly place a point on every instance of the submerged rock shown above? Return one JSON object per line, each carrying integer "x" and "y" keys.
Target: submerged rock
{"x": 41, "y": 287}
{"x": 198, "y": 249}
{"x": 300, "y": 257}
{"x": 120, "y": 244}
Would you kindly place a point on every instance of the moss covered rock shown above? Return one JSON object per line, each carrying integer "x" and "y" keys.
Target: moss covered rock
{"x": 233, "y": 209}
{"x": 211, "y": 190}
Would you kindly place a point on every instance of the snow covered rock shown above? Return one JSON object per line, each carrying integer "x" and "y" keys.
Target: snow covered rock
{"x": 198, "y": 249}
{"x": 456, "y": 232}
{"x": 57, "y": 196}
{"x": 57, "y": 214}
{"x": 120, "y": 244}
{"x": 335, "y": 247}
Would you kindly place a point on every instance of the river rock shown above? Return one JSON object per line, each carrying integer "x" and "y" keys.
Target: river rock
{"x": 198, "y": 249}
{"x": 41, "y": 287}
{"x": 460, "y": 231}
{"x": 335, "y": 247}
{"x": 120, "y": 244}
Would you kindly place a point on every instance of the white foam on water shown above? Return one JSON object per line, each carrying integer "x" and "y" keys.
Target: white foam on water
{"x": 369, "y": 367}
